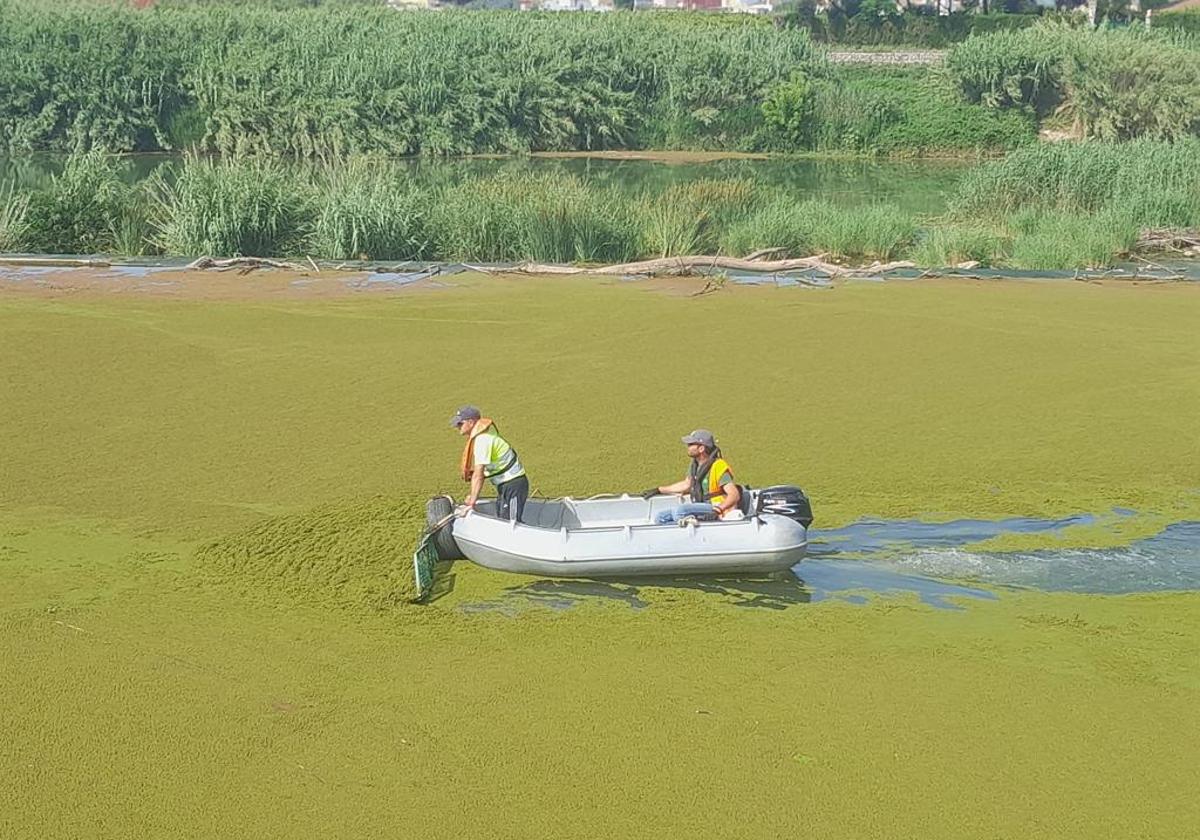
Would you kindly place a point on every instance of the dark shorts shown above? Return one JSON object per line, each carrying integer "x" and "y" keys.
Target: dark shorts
{"x": 511, "y": 496}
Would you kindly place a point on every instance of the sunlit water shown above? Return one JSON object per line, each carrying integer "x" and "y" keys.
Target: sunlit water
{"x": 874, "y": 558}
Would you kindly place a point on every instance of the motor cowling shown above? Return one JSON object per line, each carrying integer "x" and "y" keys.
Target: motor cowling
{"x": 785, "y": 500}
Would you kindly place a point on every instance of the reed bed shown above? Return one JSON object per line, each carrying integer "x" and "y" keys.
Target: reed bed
{"x": 341, "y": 79}
{"x": 1109, "y": 84}
{"x": 1043, "y": 207}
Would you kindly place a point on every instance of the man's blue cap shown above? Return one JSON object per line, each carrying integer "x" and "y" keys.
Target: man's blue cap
{"x": 467, "y": 412}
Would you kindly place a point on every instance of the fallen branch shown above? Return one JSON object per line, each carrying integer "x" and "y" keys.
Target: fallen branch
{"x": 759, "y": 254}
{"x": 1169, "y": 239}
{"x": 241, "y": 262}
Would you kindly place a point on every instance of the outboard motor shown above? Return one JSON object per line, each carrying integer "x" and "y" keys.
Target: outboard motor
{"x": 785, "y": 500}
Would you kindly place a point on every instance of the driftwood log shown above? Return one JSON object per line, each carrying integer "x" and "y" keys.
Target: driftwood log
{"x": 690, "y": 264}
{"x": 250, "y": 263}
{"x": 1166, "y": 239}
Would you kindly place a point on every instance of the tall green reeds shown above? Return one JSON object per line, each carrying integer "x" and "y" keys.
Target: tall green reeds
{"x": 1060, "y": 206}
{"x": 81, "y": 210}
{"x": 1116, "y": 84}
{"x": 367, "y": 209}
{"x": 337, "y": 79}
{"x": 549, "y": 218}
{"x": 690, "y": 218}
{"x": 243, "y": 206}
{"x": 806, "y": 227}
{"x": 14, "y": 227}
{"x": 1152, "y": 183}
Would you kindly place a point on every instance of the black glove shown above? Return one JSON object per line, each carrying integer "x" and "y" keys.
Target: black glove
{"x": 649, "y": 494}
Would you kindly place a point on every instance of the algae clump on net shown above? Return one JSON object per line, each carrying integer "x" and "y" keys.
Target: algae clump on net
{"x": 354, "y": 554}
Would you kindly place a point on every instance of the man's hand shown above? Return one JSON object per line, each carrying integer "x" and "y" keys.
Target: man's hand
{"x": 649, "y": 494}
{"x": 463, "y": 509}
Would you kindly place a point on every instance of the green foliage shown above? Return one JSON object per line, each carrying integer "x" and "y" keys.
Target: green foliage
{"x": 1135, "y": 86}
{"x": 1053, "y": 239}
{"x": 688, "y": 218}
{"x": 1117, "y": 84}
{"x": 889, "y": 111}
{"x": 1044, "y": 206}
{"x": 1187, "y": 20}
{"x": 551, "y": 218}
{"x": 243, "y": 206}
{"x": 945, "y": 245}
{"x": 788, "y": 111}
{"x": 14, "y": 227}
{"x": 331, "y": 80}
{"x": 80, "y": 211}
{"x": 805, "y": 227}
{"x": 879, "y": 24}
{"x": 1153, "y": 183}
{"x": 369, "y": 210}
{"x": 1013, "y": 69}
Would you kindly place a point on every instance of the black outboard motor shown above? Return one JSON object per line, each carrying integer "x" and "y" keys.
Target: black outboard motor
{"x": 785, "y": 500}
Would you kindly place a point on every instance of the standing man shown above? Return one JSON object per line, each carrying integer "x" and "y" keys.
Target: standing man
{"x": 487, "y": 455}
{"x": 709, "y": 483}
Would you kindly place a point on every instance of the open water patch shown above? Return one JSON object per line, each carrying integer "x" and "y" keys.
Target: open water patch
{"x": 909, "y": 557}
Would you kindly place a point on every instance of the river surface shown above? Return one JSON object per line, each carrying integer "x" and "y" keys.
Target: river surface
{"x": 928, "y": 560}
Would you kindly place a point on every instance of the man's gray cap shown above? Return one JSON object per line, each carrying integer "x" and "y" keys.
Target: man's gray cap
{"x": 467, "y": 412}
{"x": 703, "y": 437}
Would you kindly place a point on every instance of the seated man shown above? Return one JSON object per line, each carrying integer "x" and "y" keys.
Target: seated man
{"x": 709, "y": 483}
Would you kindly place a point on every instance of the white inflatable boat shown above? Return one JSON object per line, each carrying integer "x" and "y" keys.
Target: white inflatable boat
{"x": 616, "y": 536}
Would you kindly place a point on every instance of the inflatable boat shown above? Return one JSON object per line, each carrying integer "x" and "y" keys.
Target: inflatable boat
{"x": 616, "y": 536}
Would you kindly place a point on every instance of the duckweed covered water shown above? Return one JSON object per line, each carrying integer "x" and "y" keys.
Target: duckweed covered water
{"x": 197, "y": 500}
{"x": 352, "y": 554}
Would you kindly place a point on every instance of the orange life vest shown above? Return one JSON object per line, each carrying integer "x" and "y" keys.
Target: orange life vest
{"x": 706, "y": 485}
{"x": 467, "y": 465}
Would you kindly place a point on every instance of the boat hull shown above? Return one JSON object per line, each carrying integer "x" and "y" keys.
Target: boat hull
{"x": 618, "y": 538}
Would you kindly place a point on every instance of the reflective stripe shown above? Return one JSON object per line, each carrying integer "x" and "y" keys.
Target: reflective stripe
{"x": 509, "y": 468}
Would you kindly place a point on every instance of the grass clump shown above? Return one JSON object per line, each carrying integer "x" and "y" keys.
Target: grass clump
{"x": 1057, "y": 239}
{"x": 878, "y": 231}
{"x": 368, "y": 210}
{"x": 689, "y": 218}
{"x": 236, "y": 207}
{"x": 351, "y": 554}
{"x": 14, "y": 225}
{"x": 946, "y": 245}
{"x": 80, "y": 212}
{"x": 551, "y": 217}
{"x": 1155, "y": 183}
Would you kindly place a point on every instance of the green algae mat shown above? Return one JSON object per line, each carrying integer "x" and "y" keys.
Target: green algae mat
{"x": 208, "y": 509}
